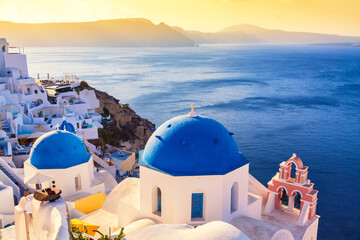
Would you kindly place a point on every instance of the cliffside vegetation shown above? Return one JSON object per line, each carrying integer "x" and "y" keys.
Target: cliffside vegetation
{"x": 124, "y": 128}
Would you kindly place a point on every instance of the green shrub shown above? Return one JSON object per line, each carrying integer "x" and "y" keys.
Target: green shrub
{"x": 76, "y": 234}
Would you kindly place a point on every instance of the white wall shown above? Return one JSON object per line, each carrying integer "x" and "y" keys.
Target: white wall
{"x": 80, "y": 109}
{"x": 65, "y": 178}
{"x": 89, "y": 97}
{"x": 312, "y": 230}
{"x": 7, "y": 204}
{"x": 18, "y": 61}
{"x": 176, "y": 193}
{"x": 2, "y": 63}
{"x": 241, "y": 176}
{"x": 46, "y": 220}
{"x": 33, "y": 96}
{"x": 89, "y": 133}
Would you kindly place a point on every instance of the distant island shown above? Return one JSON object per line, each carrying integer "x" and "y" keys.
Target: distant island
{"x": 343, "y": 44}
{"x": 140, "y": 32}
{"x": 135, "y": 32}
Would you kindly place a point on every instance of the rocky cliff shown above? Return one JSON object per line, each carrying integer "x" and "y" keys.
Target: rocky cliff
{"x": 124, "y": 129}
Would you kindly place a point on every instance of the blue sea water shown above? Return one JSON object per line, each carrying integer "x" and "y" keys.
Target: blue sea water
{"x": 277, "y": 100}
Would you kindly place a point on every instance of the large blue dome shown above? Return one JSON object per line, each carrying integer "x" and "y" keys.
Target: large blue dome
{"x": 191, "y": 146}
{"x": 58, "y": 150}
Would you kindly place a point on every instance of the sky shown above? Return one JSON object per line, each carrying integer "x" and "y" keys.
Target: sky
{"x": 322, "y": 16}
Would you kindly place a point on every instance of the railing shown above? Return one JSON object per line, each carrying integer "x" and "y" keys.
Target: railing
{"x": 16, "y": 50}
{"x": 14, "y": 175}
{"x": 69, "y": 78}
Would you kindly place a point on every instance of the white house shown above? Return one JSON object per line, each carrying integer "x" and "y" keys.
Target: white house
{"x": 25, "y": 104}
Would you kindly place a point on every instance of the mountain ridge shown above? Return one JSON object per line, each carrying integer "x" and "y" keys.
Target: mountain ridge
{"x": 262, "y": 35}
{"x": 131, "y": 32}
{"x": 141, "y": 32}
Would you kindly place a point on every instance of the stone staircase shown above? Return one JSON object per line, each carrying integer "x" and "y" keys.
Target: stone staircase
{"x": 6, "y": 126}
{"x": 16, "y": 182}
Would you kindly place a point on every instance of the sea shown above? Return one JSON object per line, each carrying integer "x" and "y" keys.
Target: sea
{"x": 276, "y": 99}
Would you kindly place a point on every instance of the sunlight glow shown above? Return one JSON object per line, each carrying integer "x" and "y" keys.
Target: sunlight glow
{"x": 323, "y": 16}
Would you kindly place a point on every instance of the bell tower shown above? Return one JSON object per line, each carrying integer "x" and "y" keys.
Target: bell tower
{"x": 289, "y": 193}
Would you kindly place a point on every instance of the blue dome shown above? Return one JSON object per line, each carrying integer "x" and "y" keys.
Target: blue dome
{"x": 191, "y": 146}
{"x": 67, "y": 126}
{"x": 58, "y": 150}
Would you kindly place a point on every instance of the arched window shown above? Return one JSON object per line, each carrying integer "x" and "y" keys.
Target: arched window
{"x": 293, "y": 170}
{"x": 297, "y": 202}
{"x": 234, "y": 197}
{"x": 157, "y": 201}
{"x": 197, "y": 206}
{"x": 284, "y": 197}
{"x": 77, "y": 182}
{"x": 39, "y": 102}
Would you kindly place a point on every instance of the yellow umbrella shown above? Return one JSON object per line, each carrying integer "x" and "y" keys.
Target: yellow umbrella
{"x": 80, "y": 224}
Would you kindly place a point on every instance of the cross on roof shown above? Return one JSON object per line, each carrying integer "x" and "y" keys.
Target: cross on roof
{"x": 192, "y": 113}
{"x": 192, "y": 106}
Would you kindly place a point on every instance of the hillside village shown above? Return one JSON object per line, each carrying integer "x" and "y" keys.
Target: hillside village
{"x": 74, "y": 160}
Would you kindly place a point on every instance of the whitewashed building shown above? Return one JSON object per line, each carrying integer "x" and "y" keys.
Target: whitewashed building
{"x": 24, "y": 102}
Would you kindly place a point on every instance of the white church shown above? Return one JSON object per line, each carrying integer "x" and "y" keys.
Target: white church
{"x": 191, "y": 175}
{"x": 62, "y": 158}
{"x": 191, "y": 172}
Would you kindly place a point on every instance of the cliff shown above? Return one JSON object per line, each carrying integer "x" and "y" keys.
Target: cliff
{"x": 125, "y": 129}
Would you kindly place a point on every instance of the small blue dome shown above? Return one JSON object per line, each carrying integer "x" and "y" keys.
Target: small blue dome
{"x": 191, "y": 146}
{"x": 58, "y": 150}
{"x": 67, "y": 126}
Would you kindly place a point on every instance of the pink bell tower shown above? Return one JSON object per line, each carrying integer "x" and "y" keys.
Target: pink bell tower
{"x": 292, "y": 191}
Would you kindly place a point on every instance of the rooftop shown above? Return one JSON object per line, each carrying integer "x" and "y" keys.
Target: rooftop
{"x": 120, "y": 155}
{"x": 191, "y": 145}
{"x": 270, "y": 224}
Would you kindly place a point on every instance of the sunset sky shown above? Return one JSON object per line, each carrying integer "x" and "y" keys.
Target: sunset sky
{"x": 323, "y": 16}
